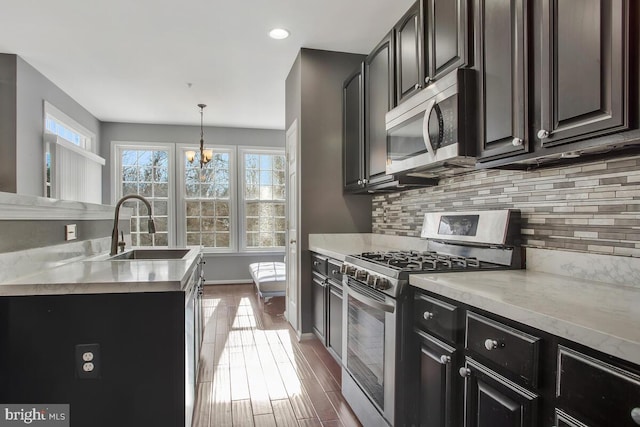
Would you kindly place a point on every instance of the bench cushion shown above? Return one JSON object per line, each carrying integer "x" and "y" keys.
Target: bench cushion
{"x": 269, "y": 277}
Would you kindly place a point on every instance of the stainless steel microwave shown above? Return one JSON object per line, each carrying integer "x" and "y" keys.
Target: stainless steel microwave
{"x": 432, "y": 133}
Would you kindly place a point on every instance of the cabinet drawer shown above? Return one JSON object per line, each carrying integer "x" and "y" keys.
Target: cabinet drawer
{"x": 596, "y": 393}
{"x": 319, "y": 264}
{"x": 333, "y": 270}
{"x": 436, "y": 317}
{"x": 505, "y": 346}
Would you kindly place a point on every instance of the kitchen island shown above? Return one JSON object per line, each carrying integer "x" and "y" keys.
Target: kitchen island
{"x": 141, "y": 320}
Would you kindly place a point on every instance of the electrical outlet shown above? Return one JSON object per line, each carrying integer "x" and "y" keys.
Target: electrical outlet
{"x": 70, "y": 232}
{"x": 88, "y": 361}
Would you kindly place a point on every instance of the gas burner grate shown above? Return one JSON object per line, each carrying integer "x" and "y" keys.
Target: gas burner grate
{"x": 415, "y": 261}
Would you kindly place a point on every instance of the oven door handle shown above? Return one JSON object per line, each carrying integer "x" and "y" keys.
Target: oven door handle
{"x": 388, "y": 308}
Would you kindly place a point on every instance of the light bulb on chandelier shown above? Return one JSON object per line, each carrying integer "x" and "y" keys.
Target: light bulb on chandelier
{"x": 205, "y": 155}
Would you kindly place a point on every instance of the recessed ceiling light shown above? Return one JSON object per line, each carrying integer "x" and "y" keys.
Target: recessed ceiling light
{"x": 278, "y": 33}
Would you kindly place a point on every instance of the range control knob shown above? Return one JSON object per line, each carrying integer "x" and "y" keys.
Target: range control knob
{"x": 348, "y": 270}
{"x": 360, "y": 275}
{"x": 372, "y": 280}
{"x": 382, "y": 284}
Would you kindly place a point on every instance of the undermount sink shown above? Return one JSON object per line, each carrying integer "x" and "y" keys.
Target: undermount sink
{"x": 138, "y": 254}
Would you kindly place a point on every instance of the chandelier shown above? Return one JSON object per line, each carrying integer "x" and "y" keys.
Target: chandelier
{"x": 205, "y": 155}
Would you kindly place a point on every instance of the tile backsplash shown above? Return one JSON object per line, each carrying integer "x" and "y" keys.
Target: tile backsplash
{"x": 587, "y": 207}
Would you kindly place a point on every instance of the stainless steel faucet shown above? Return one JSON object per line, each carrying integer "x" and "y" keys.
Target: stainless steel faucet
{"x": 114, "y": 234}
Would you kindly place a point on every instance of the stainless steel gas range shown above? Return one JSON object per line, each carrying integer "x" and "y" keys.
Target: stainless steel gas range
{"x": 375, "y": 315}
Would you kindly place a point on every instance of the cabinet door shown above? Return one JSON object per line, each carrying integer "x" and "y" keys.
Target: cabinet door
{"x": 493, "y": 401}
{"x": 439, "y": 392}
{"x": 353, "y": 135}
{"x": 501, "y": 57}
{"x": 379, "y": 99}
{"x": 595, "y": 392}
{"x": 446, "y": 36}
{"x": 583, "y": 69}
{"x": 318, "y": 284}
{"x": 409, "y": 53}
{"x": 334, "y": 340}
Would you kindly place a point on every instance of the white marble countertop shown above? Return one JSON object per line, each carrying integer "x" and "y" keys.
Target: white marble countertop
{"x": 598, "y": 315}
{"x": 340, "y": 245}
{"x": 99, "y": 274}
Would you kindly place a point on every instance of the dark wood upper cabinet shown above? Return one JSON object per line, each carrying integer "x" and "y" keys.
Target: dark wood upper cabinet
{"x": 353, "y": 131}
{"x": 501, "y": 59}
{"x": 379, "y": 99}
{"x": 446, "y": 28}
{"x": 410, "y": 64}
{"x": 583, "y": 69}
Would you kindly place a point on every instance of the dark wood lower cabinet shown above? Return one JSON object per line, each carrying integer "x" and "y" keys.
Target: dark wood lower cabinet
{"x": 493, "y": 401}
{"x": 334, "y": 340}
{"x": 318, "y": 284}
{"x": 596, "y": 393}
{"x": 497, "y": 372}
{"x": 439, "y": 394}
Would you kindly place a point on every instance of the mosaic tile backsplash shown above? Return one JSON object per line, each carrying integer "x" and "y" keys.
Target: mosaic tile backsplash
{"x": 587, "y": 207}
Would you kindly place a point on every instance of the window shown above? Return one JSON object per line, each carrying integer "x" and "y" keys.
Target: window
{"x": 72, "y": 171}
{"x": 263, "y": 198}
{"x": 146, "y": 171}
{"x": 225, "y": 206}
{"x": 58, "y": 123}
{"x": 207, "y": 208}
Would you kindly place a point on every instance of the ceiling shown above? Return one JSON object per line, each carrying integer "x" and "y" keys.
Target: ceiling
{"x": 153, "y": 61}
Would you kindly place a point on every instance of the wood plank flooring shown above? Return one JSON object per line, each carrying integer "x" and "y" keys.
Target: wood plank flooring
{"x": 254, "y": 372}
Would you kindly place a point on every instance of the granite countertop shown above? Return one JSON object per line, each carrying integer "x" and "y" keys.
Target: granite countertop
{"x": 598, "y": 315}
{"x": 99, "y": 274}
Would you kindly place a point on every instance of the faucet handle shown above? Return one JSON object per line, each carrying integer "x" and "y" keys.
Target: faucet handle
{"x": 122, "y": 244}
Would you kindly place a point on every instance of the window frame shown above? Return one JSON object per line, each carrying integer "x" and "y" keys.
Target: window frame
{"x": 176, "y": 210}
{"x": 88, "y": 138}
{"x": 116, "y": 164}
{"x": 241, "y": 218}
{"x": 181, "y": 200}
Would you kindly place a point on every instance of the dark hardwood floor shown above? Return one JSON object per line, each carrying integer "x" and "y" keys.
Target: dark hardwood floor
{"x": 253, "y": 370}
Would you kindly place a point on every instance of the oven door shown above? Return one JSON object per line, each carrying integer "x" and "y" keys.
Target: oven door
{"x": 369, "y": 352}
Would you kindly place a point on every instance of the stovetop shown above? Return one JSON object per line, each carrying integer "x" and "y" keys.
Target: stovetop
{"x": 415, "y": 261}
{"x": 389, "y": 271}
{"x": 457, "y": 241}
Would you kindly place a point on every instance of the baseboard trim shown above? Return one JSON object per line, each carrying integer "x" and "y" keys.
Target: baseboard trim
{"x": 228, "y": 282}
{"x": 306, "y": 336}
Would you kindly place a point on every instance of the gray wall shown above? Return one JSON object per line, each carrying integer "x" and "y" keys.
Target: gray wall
{"x": 314, "y": 97}
{"x": 8, "y": 123}
{"x": 219, "y": 267}
{"x": 32, "y": 90}
{"x": 131, "y": 132}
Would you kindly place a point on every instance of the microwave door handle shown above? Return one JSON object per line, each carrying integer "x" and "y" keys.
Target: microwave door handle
{"x": 388, "y": 308}
{"x": 425, "y": 127}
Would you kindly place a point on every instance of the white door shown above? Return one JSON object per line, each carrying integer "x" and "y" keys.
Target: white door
{"x": 293, "y": 261}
